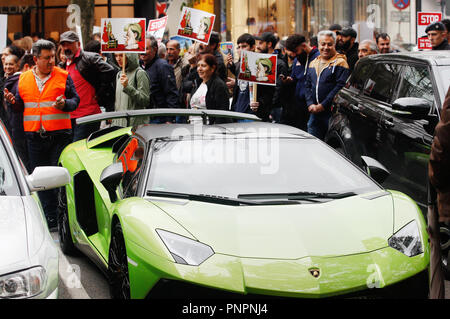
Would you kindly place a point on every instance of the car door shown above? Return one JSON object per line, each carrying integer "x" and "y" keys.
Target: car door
{"x": 406, "y": 142}
{"x": 352, "y": 124}
{"x": 368, "y": 107}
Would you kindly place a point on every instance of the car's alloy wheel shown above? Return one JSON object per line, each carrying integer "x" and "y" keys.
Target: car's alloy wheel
{"x": 65, "y": 238}
{"x": 118, "y": 265}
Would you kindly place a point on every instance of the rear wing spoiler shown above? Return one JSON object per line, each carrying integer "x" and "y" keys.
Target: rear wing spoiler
{"x": 166, "y": 112}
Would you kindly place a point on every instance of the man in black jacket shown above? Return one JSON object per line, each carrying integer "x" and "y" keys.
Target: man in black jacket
{"x": 437, "y": 34}
{"x": 346, "y": 44}
{"x": 94, "y": 81}
{"x": 163, "y": 85}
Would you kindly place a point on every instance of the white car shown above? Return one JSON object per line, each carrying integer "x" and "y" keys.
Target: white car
{"x": 29, "y": 256}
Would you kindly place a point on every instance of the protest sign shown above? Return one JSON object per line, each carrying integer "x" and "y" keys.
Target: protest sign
{"x": 196, "y": 25}
{"x": 157, "y": 27}
{"x": 123, "y": 35}
{"x": 258, "y": 68}
{"x": 3, "y": 33}
{"x": 227, "y": 48}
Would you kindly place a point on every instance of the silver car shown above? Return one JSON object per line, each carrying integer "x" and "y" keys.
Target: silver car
{"x": 28, "y": 254}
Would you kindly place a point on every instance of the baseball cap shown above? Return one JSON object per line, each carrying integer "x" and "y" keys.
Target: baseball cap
{"x": 347, "y": 31}
{"x": 435, "y": 26}
{"x": 335, "y": 27}
{"x": 69, "y": 36}
{"x": 268, "y": 37}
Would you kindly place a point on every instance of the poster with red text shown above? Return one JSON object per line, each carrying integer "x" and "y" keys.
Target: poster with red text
{"x": 195, "y": 25}
{"x": 157, "y": 27}
{"x": 260, "y": 68}
{"x": 123, "y": 35}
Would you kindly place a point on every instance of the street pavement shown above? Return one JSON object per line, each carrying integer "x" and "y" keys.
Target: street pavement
{"x": 80, "y": 278}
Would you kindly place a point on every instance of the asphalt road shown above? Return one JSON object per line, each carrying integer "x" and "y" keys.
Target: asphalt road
{"x": 81, "y": 279}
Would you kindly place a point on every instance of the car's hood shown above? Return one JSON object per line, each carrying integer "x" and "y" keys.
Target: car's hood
{"x": 341, "y": 227}
{"x": 13, "y": 231}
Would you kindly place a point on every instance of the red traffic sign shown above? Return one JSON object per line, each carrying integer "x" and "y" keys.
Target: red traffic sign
{"x": 426, "y": 18}
{"x": 401, "y": 4}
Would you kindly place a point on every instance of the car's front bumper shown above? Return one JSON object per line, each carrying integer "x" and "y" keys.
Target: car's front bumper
{"x": 361, "y": 274}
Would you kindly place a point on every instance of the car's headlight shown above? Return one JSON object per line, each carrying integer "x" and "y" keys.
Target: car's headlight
{"x": 23, "y": 284}
{"x": 407, "y": 240}
{"x": 184, "y": 250}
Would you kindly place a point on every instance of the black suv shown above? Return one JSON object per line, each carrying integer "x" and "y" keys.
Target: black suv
{"x": 388, "y": 110}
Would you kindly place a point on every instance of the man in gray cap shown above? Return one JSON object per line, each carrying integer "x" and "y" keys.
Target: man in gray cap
{"x": 346, "y": 44}
{"x": 437, "y": 34}
{"x": 94, "y": 79}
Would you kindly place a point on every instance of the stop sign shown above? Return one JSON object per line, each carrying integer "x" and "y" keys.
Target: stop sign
{"x": 423, "y": 20}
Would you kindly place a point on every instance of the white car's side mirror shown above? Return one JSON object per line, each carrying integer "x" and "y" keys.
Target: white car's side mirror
{"x": 47, "y": 177}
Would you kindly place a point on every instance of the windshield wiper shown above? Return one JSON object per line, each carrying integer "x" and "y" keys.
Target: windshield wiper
{"x": 312, "y": 196}
{"x": 215, "y": 199}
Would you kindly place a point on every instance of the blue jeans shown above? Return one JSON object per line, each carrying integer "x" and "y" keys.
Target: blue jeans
{"x": 45, "y": 151}
{"x": 318, "y": 124}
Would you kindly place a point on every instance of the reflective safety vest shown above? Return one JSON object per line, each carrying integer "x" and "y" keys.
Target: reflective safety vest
{"x": 39, "y": 112}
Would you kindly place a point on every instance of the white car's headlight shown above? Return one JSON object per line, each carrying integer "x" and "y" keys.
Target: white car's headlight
{"x": 407, "y": 240}
{"x": 184, "y": 250}
{"x": 23, "y": 284}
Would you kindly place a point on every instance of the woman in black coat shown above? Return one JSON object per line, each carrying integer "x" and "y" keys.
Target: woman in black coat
{"x": 212, "y": 93}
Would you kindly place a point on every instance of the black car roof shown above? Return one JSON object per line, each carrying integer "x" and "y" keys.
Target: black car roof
{"x": 433, "y": 57}
{"x": 234, "y": 130}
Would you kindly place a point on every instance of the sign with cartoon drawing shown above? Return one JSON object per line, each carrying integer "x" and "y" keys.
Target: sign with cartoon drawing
{"x": 195, "y": 24}
{"x": 122, "y": 35}
{"x": 227, "y": 48}
{"x": 258, "y": 68}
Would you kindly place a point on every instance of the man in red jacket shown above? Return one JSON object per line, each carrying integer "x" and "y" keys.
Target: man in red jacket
{"x": 91, "y": 75}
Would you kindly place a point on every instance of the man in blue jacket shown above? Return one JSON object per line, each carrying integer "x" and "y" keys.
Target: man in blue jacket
{"x": 297, "y": 115}
{"x": 326, "y": 75}
{"x": 163, "y": 85}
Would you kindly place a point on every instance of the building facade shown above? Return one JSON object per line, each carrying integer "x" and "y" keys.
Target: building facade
{"x": 234, "y": 17}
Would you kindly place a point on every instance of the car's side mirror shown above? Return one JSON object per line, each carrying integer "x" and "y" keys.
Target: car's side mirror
{"x": 375, "y": 169}
{"x": 110, "y": 178}
{"x": 412, "y": 107}
{"x": 47, "y": 177}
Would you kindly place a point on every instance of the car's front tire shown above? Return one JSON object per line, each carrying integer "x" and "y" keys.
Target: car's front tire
{"x": 118, "y": 265}
{"x": 65, "y": 238}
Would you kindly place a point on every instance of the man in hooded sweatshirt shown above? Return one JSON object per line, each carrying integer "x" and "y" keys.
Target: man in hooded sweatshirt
{"x": 326, "y": 75}
{"x": 132, "y": 88}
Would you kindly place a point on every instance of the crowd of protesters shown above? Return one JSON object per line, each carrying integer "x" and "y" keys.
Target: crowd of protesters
{"x": 75, "y": 83}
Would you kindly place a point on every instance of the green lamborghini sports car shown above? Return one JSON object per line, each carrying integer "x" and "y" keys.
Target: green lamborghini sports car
{"x": 243, "y": 209}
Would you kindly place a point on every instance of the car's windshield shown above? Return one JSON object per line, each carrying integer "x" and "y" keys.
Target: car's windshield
{"x": 8, "y": 182}
{"x": 445, "y": 78}
{"x": 231, "y": 167}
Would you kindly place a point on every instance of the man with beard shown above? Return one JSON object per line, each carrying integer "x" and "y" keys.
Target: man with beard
{"x": 93, "y": 79}
{"x": 297, "y": 114}
{"x": 384, "y": 43}
{"x": 346, "y": 44}
{"x": 266, "y": 44}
